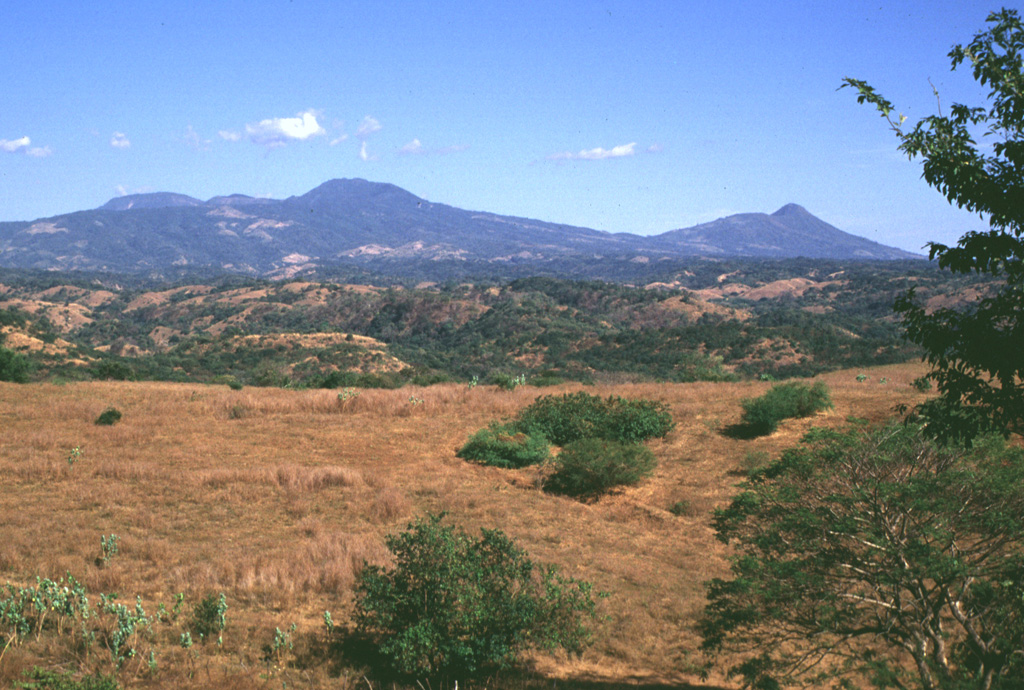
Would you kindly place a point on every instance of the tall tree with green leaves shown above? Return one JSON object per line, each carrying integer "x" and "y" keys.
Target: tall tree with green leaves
{"x": 875, "y": 557}
{"x": 977, "y": 354}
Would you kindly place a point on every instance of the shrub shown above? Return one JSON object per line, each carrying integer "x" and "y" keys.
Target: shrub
{"x": 109, "y": 417}
{"x": 922, "y": 384}
{"x": 14, "y": 366}
{"x": 592, "y": 466}
{"x": 502, "y": 445}
{"x": 574, "y": 416}
{"x": 453, "y": 605}
{"x": 682, "y": 508}
{"x": 113, "y": 370}
{"x": 784, "y": 401}
{"x": 508, "y": 382}
{"x": 209, "y": 618}
{"x": 228, "y": 380}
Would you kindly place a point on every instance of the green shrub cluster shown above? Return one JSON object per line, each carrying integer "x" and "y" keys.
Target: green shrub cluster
{"x": 14, "y": 366}
{"x": 503, "y": 445}
{"x": 600, "y": 439}
{"x": 109, "y": 417}
{"x": 784, "y": 401}
{"x": 589, "y": 467}
{"x": 457, "y": 606}
{"x": 563, "y": 419}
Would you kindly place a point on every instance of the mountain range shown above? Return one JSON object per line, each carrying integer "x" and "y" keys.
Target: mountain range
{"x": 354, "y": 221}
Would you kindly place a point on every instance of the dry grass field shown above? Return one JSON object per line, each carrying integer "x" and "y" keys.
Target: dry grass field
{"x": 276, "y": 497}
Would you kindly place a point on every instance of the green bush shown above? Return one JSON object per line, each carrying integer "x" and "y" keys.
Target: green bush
{"x": 784, "y": 401}
{"x": 922, "y": 384}
{"x": 508, "y": 382}
{"x": 592, "y": 466}
{"x": 574, "y": 416}
{"x": 228, "y": 380}
{"x": 453, "y": 605}
{"x": 14, "y": 366}
{"x": 502, "y": 445}
{"x": 209, "y": 618}
{"x": 109, "y": 417}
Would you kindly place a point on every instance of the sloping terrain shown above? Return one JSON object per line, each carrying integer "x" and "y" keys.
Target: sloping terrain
{"x": 360, "y": 223}
{"x": 275, "y": 498}
{"x": 715, "y": 321}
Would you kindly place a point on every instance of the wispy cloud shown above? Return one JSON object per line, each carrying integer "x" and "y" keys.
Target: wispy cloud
{"x": 364, "y": 155}
{"x": 369, "y": 125}
{"x": 24, "y": 145}
{"x": 416, "y": 148}
{"x": 279, "y": 131}
{"x": 13, "y": 145}
{"x": 228, "y": 135}
{"x": 337, "y": 140}
{"x": 193, "y": 139}
{"x": 595, "y": 154}
{"x": 119, "y": 141}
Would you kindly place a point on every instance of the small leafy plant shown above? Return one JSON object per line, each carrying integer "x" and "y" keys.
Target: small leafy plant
{"x": 109, "y": 417}
{"x": 109, "y": 547}
{"x": 209, "y": 618}
{"x": 456, "y": 605}
{"x": 574, "y": 416}
{"x": 502, "y": 445}
{"x": 591, "y": 467}
{"x": 784, "y": 401}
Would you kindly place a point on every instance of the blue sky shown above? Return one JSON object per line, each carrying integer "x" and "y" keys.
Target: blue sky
{"x": 622, "y": 116}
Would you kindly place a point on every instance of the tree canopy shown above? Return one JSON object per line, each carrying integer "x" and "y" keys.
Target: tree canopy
{"x": 875, "y": 556}
{"x": 975, "y": 353}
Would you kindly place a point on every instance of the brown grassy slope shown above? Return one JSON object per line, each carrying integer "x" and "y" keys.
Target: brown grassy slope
{"x": 276, "y": 497}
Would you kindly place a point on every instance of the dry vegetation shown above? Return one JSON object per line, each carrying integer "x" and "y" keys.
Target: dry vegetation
{"x": 276, "y": 497}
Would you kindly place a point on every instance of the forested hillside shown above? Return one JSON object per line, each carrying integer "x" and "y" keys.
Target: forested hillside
{"x": 714, "y": 320}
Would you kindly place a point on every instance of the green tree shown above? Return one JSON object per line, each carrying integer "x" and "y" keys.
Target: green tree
{"x": 976, "y": 353}
{"x": 14, "y": 366}
{"x": 875, "y": 557}
{"x": 457, "y": 606}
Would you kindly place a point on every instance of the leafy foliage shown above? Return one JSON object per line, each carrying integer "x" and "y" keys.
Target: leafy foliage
{"x": 574, "y": 416}
{"x": 44, "y": 679}
{"x": 14, "y": 366}
{"x": 975, "y": 353}
{"x": 109, "y": 417}
{"x": 209, "y": 617}
{"x": 453, "y": 605}
{"x": 589, "y": 467}
{"x": 784, "y": 401}
{"x": 502, "y": 445}
{"x": 875, "y": 556}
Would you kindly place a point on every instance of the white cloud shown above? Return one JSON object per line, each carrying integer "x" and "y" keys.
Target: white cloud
{"x": 23, "y": 145}
{"x": 119, "y": 141}
{"x": 279, "y": 131}
{"x": 412, "y": 148}
{"x": 368, "y": 126}
{"x": 655, "y": 148}
{"x": 364, "y": 155}
{"x": 228, "y": 135}
{"x": 193, "y": 139}
{"x": 596, "y": 154}
{"x": 416, "y": 148}
{"x": 12, "y": 145}
{"x": 338, "y": 140}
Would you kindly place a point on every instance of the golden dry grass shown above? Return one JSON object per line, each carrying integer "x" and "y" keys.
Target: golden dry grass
{"x": 277, "y": 497}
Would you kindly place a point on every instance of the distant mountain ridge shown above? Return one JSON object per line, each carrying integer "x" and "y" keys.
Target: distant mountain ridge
{"x": 361, "y": 222}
